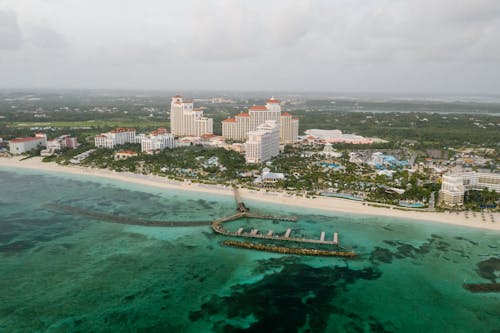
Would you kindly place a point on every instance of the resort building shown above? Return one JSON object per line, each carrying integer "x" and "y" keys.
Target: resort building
{"x": 22, "y": 145}
{"x": 454, "y": 186}
{"x": 268, "y": 178}
{"x": 289, "y": 128}
{"x": 452, "y": 190}
{"x": 186, "y": 120}
{"x": 336, "y": 136}
{"x": 237, "y": 128}
{"x": 116, "y": 137}
{"x": 264, "y": 143}
{"x": 55, "y": 145}
{"x": 212, "y": 140}
{"x": 124, "y": 154}
{"x": 329, "y": 151}
{"x": 80, "y": 157}
{"x": 157, "y": 140}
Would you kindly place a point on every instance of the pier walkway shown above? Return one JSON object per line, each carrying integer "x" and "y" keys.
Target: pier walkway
{"x": 254, "y": 233}
{"x": 217, "y": 226}
{"x": 243, "y": 212}
{"x": 239, "y": 203}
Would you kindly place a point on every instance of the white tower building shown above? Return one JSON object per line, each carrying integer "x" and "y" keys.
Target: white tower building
{"x": 264, "y": 143}
{"x": 289, "y": 128}
{"x": 237, "y": 128}
{"x": 186, "y": 120}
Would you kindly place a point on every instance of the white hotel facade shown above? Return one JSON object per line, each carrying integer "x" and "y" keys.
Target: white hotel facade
{"x": 157, "y": 140}
{"x": 185, "y": 120}
{"x": 264, "y": 143}
{"x": 118, "y": 136}
{"x": 237, "y": 128}
{"x": 454, "y": 186}
{"x": 22, "y": 145}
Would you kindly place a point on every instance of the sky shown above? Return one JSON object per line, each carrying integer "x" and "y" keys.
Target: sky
{"x": 386, "y": 46}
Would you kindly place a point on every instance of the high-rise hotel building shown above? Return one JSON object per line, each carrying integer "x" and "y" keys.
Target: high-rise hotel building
{"x": 454, "y": 186}
{"x": 237, "y": 128}
{"x": 264, "y": 143}
{"x": 186, "y": 120}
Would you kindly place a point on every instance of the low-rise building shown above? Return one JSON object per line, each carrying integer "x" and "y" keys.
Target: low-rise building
{"x": 336, "y": 136}
{"x": 56, "y": 145}
{"x": 22, "y": 145}
{"x": 124, "y": 154}
{"x": 80, "y": 157}
{"x": 157, "y": 140}
{"x": 212, "y": 140}
{"x": 189, "y": 141}
{"x": 116, "y": 137}
{"x": 330, "y": 152}
{"x": 268, "y": 177}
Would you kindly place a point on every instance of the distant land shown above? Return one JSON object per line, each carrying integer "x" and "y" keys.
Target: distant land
{"x": 321, "y": 101}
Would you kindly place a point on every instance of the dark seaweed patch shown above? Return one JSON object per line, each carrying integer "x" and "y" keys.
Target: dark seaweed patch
{"x": 467, "y": 240}
{"x": 288, "y": 300}
{"x": 403, "y": 250}
{"x": 381, "y": 255}
{"x": 267, "y": 265}
{"x": 487, "y": 268}
{"x": 16, "y": 247}
{"x": 205, "y": 204}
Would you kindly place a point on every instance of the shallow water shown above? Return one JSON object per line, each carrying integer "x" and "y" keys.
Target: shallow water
{"x": 64, "y": 272}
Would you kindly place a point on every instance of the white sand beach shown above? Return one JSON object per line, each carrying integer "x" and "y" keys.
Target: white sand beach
{"x": 488, "y": 220}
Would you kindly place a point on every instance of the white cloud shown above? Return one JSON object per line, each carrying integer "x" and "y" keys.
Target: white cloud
{"x": 307, "y": 45}
{"x": 10, "y": 33}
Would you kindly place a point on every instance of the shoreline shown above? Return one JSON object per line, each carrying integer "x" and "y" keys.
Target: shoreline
{"x": 329, "y": 204}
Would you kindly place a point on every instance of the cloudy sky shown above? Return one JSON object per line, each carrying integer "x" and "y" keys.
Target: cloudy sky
{"x": 390, "y": 46}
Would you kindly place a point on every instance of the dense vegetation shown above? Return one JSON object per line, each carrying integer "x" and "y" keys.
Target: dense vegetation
{"x": 476, "y": 200}
{"x": 415, "y": 130}
{"x": 420, "y": 123}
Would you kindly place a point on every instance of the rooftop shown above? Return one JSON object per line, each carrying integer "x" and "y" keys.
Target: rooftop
{"x": 122, "y": 130}
{"x": 24, "y": 139}
{"x": 258, "y": 108}
{"x": 126, "y": 152}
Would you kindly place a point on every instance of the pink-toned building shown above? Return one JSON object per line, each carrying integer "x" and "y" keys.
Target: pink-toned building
{"x": 63, "y": 142}
{"x": 336, "y": 136}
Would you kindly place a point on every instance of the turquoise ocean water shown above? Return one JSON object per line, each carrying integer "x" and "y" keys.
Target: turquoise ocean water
{"x": 65, "y": 272}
